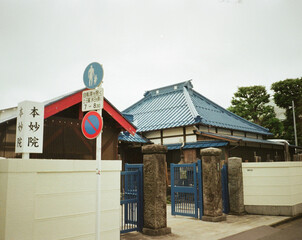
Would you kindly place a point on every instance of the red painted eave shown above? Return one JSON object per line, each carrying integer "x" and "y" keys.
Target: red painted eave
{"x": 76, "y": 98}
{"x": 115, "y": 114}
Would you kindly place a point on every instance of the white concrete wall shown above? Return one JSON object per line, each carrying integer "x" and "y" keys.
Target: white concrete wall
{"x": 272, "y": 184}
{"x": 56, "y": 199}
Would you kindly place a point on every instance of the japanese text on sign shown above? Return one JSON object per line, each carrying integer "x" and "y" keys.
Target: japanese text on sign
{"x": 29, "y": 130}
{"x": 92, "y": 99}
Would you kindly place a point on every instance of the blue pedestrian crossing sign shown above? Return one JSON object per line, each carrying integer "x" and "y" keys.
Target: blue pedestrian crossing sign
{"x": 93, "y": 75}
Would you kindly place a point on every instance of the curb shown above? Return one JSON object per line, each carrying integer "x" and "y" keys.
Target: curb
{"x": 286, "y": 220}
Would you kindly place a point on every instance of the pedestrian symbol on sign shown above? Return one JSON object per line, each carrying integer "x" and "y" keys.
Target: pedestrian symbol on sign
{"x": 93, "y": 75}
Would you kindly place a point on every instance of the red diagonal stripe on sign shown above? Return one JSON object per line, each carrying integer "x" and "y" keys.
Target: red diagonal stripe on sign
{"x": 91, "y": 124}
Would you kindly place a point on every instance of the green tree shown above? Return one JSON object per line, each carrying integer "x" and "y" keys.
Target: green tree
{"x": 285, "y": 92}
{"x": 251, "y": 103}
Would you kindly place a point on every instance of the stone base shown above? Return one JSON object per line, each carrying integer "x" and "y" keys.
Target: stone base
{"x": 214, "y": 219}
{"x": 274, "y": 210}
{"x": 156, "y": 232}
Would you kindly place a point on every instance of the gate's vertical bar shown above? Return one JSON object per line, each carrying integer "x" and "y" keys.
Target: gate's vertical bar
{"x": 195, "y": 192}
{"x": 200, "y": 197}
{"x": 172, "y": 189}
{"x": 225, "y": 190}
{"x": 125, "y": 197}
{"x": 140, "y": 198}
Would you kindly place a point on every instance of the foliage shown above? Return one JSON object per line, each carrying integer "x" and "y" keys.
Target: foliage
{"x": 285, "y": 92}
{"x": 251, "y": 103}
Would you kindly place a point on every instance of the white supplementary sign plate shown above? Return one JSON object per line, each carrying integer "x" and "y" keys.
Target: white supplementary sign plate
{"x": 93, "y": 99}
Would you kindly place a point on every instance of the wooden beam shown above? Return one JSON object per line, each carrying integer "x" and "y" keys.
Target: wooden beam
{"x": 84, "y": 140}
{"x": 55, "y": 134}
{"x": 219, "y": 137}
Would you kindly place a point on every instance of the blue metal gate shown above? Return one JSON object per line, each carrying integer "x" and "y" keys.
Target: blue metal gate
{"x": 186, "y": 189}
{"x": 132, "y": 198}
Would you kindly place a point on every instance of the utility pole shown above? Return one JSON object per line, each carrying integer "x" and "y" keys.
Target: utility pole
{"x": 295, "y": 128}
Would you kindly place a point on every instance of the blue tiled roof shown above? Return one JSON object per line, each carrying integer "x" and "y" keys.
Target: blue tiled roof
{"x": 179, "y": 105}
{"x": 127, "y": 137}
{"x": 214, "y": 115}
{"x": 238, "y": 138}
{"x": 199, "y": 144}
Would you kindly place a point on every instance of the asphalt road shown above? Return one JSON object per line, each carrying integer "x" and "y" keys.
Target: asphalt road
{"x": 291, "y": 230}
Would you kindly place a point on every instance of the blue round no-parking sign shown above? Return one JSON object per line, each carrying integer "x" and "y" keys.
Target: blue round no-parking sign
{"x": 92, "y": 125}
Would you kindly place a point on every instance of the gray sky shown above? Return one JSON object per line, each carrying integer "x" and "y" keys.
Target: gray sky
{"x": 46, "y": 45}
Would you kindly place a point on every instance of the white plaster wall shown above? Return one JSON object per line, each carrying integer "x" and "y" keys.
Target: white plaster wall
{"x": 238, "y": 133}
{"x": 203, "y": 128}
{"x": 154, "y": 134}
{"x": 156, "y": 141}
{"x": 172, "y": 140}
{"x": 191, "y": 138}
{"x": 56, "y": 199}
{"x": 172, "y": 132}
{"x": 223, "y": 131}
{"x": 212, "y": 130}
{"x": 190, "y": 130}
{"x": 251, "y": 135}
{"x": 272, "y": 184}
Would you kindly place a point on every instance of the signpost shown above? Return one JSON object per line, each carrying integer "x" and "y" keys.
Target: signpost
{"x": 93, "y": 123}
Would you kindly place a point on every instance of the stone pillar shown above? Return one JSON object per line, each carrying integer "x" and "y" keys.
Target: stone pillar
{"x": 235, "y": 186}
{"x": 155, "y": 207}
{"x": 211, "y": 181}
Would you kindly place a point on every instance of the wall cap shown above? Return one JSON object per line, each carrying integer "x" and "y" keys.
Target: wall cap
{"x": 210, "y": 152}
{"x": 154, "y": 148}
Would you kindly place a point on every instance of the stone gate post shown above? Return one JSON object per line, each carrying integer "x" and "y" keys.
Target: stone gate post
{"x": 235, "y": 185}
{"x": 155, "y": 207}
{"x": 212, "y": 189}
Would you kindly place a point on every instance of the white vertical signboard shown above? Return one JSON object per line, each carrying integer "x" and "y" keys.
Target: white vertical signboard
{"x": 29, "y": 128}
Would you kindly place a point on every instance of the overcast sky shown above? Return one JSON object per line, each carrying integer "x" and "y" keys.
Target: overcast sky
{"x": 46, "y": 45}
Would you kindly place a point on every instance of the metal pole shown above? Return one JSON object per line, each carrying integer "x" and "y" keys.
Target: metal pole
{"x": 98, "y": 179}
{"x": 295, "y": 128}
{"x": 25, "y": 155}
